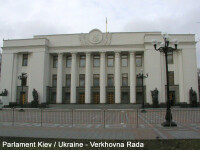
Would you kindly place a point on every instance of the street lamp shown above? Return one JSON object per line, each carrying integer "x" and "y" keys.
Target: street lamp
{"x": 23, "y": 78}
{"x": 165, "y": 48}
{"x": 142, "y": 77}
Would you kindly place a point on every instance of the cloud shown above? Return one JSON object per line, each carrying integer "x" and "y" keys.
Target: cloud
{"x": 25, "y": 18}
{"x": 186, "y": 23}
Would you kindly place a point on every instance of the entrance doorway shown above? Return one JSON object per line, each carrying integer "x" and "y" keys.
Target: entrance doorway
{"x": 23, "y": 98}
{"x": 125, "y": 98}
{"x": 172, "y": 97}
{"x": 82, "y": 98}
{"x": 110, "y": 98}
{"x": 96, "y": 98}
{"x": 53, "y": 98}
{"x": 139, "y": 98}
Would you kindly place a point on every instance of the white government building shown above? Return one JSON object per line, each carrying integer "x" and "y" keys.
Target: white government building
{"x": 97, "y": 67}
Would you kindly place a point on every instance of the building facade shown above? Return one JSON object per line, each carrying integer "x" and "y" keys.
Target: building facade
{"x": 97, "y": 68}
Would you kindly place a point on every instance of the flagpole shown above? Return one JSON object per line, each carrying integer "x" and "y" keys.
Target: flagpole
{"x": 106, "y": 24}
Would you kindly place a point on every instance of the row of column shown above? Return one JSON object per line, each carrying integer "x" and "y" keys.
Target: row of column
{"x": 102, "y": 78}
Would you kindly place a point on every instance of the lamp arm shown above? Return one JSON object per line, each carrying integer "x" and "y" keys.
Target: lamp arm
{"x": 160, "y": 49}
{"x": 170, "y": 49}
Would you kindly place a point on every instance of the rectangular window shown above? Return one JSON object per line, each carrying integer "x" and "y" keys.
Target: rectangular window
{"x": 110, "y": 81}
{"x": 171, "y": 77}
{"x": 82, "y": 61}
{"x": 96, "y": 79}
{"x": 68, "y": 80}
{"x": 54, "y": 80}
{"x": 170, "y": 58}
{"x": 25, "y": 60}
{"x": 55, "y": 61}
{"x": 138, "y": 59}
{"x": 124, "y": 60}
{"x": 110, "y": 60}
{"x": 68, "y": 61}
{"x": 82, "y": 80}
{"x": 96, "y": 60}
{"x": 125, "y": 79}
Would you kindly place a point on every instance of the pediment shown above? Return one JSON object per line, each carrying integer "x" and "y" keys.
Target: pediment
{"x": 95, "y": 37}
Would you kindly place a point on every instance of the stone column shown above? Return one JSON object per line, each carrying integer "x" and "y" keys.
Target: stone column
{"x": 73, "y": 79}
{"x": 59, "y": 79}
{"x": 102, "y": 78}
{"x": 15, "y": 78}
{"x": 181, "y": 81}
{"x": 132, "y": 78}
{"x": 117, "y": 78}
{"x": 88, "y": 78}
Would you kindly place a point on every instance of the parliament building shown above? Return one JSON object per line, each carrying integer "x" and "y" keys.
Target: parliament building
{"x": 97, "y": 67}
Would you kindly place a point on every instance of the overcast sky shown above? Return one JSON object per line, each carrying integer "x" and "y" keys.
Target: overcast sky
{"x": 25, "y": 18}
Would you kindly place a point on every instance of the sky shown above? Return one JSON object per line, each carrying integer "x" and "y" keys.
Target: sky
{"x": 25, "y": 18}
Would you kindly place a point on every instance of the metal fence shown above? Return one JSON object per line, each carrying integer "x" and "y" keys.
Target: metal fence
{"x": 95, "y": 117}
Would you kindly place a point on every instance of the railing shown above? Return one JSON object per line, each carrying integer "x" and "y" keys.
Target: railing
{"x": 95, "y": 117}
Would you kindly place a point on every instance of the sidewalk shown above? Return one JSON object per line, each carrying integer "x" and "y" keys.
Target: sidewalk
{"x": 191, "y": 131}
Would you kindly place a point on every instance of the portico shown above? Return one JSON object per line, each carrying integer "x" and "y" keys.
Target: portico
{"x": 101, "y": 70}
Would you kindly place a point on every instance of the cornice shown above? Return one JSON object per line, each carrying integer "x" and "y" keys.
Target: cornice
{"x": 24, "y": 47}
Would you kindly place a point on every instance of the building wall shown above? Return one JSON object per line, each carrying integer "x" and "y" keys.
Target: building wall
{"x": 41, "y": 48}
{"x": 7, "y": 72}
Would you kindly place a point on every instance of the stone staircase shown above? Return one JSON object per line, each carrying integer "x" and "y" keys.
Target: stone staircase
{"x": 95, "y": 106}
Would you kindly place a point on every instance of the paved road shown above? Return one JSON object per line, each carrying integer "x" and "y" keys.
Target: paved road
{"x": 191, "y": 131}
{"x": 99, "y": 124}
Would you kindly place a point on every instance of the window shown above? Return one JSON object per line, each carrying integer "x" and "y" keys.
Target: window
{"x": 138, "y": 60}
{"x": 55, "y": 61}
{"x": 96, "y": 79}
{"x": 139, "y": 82}
{"x": 110, "y": 80}
{"x": 68, "y": 80}
{"x": 171, "y": 77}
{"x": 124, "y": 60}
{"x": 170, "y": 58}
{"x": 68, "y": 61}
{"x": 54, "y": 80}
{"x": 125, "y": 79}
{"x": 81, "y": 80}
{"x": 110, "y": 60}
{"x": 82, "y": 61}
{"x": 96, "y": 60}
{"x": 25, "y": 60}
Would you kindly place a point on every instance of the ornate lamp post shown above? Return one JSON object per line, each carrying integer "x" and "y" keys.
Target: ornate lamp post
{"x": 165, "y": 48}
{"x": 23, "y": 78}
{"x": 142, "y": 77}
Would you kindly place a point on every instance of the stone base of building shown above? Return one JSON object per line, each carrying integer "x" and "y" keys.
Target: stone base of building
{"x": 95, "y": 106}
